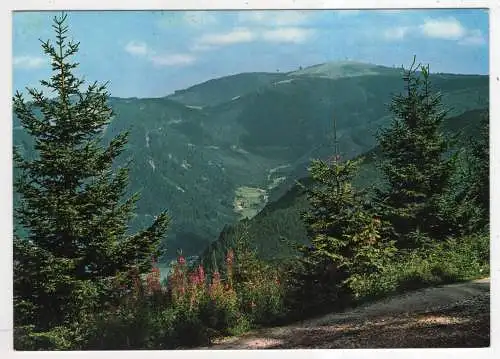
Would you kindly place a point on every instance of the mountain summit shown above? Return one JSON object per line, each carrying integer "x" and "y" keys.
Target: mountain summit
{"x": 341, "y": 69}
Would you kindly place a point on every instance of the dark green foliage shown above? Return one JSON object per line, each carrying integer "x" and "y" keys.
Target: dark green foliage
{"x": 414, "y": 165}
{"x": 344, "y": 235}
{"x": 466, "y": 204}
{"x": 278, "y": 227}
{"x": 479, "y": 179}
{"x": 258, "y": 284}
{"x": 71, "y": 203}
{"x": 451, "y": 261}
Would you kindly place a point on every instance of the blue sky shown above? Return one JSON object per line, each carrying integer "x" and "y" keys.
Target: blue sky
{"x": 153, "y": 53}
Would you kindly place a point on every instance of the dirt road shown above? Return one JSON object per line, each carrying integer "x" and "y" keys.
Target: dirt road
{"x": 456, "y": 315}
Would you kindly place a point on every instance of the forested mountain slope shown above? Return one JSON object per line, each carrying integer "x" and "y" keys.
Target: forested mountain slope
{"x": 216, "y": 152}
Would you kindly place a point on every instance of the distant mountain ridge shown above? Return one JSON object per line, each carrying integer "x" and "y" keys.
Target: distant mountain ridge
{"x": 219, "y": 150}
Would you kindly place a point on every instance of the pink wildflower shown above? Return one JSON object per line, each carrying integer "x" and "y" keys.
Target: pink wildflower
{"x": 215, "y": 284}
{"x": 153, "y": 279}
{"x": 181, "y": 260}
{"x": 201, "y": 273}
{"x": 194, "y": 279}
{"x": 229, "y": 257}
{"x": 216, "y": 277}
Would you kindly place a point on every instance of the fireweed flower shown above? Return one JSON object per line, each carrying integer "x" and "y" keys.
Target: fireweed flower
{"x": 201, "y": 273}
{"x": 153, "y": 280}
{"x": 178, "y": 281}
{"x": 229, "y": 266}
{"x": 216, "y": 277}
{"x": 215, "y": 285}
{"x": 230, "y": 257}
{"x": 181, "y": 260}
{"x": 194, "y": 279}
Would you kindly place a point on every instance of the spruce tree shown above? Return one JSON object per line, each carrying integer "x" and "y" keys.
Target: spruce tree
{"x": 345, "y": 240}
{"x": 415, "y": 165}
{"x": 467, "y": 204}
{"x": 73, "y": 201}
{"x": 480, "y": 174}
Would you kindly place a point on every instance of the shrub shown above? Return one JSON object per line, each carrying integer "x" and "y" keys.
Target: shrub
{"x": 261, "y": 297}
{"x": 452, "y": 261}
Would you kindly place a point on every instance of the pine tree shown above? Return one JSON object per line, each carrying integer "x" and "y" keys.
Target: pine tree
{"x": 246, "y": 264}
{"x": 344, "y": 235}
{"x": 415, "y": 164}
{"x": 480, "y": 179}
{"x": 72, "y": 200}
{"x": 467, "y": 204}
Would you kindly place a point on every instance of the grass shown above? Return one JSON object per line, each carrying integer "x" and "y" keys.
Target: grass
{"x": 455, "y": 260}
{"x": 248, "y": 201}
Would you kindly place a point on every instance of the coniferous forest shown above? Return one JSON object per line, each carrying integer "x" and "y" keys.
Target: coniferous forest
{"x": 359, "y": 222}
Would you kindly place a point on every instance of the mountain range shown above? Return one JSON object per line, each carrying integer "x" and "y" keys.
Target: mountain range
{"x": 220, "y": 151}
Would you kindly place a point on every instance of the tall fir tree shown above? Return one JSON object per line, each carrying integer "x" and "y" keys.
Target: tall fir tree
{"x": 480, "y": 179}
{"x": 416, "y": 164}
{"x": 467, "y": 204}
{"x": 73, "y": 203}
{"x": 345, "y": 240}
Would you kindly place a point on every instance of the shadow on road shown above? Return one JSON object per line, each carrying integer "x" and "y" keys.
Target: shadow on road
{"x": 452, "y": 316}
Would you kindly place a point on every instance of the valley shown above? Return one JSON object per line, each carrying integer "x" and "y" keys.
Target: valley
{"x": 224, "y": 149}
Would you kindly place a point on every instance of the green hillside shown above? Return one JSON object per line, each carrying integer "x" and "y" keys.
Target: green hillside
{"x": 280, "y": 223}
{"x": 334, "y": 70}
{"x": 220, "y": 151}
{"x": 217, "y": 91}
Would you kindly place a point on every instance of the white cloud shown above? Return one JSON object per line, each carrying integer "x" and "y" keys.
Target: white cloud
{"x": 235, "y": 36}
{"x": 396, "y": 33}
{"x": 275, "y": 17}
{"x": 443, "y": 28}
{"x": 287, "y": 34}
{"x": 29, "y": 62}
{"x": 200, "y": 47}
{"x": 137, "y": 48}
{"x": 141, "y": 49}
{"x": 268, "y": 25}
{"x": 440, "y": 28}
{"x": 172, "y": 60}
{"x": 214, "y": 41}
{"x": 474, "y": 37}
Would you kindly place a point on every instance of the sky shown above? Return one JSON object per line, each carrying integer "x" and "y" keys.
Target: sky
{"x": 154, "y": 53}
